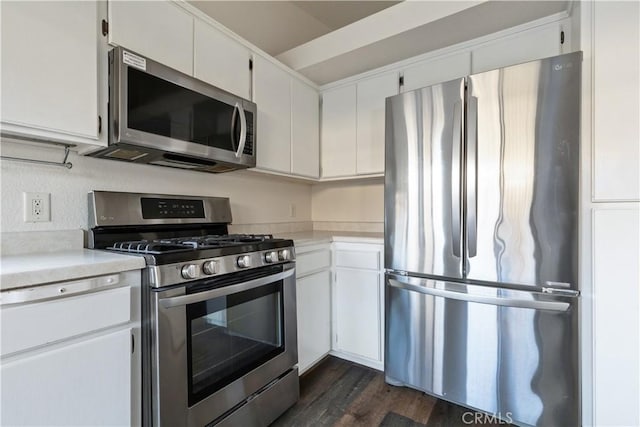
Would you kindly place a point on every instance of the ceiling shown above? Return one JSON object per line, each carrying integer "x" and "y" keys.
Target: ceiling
{"x": 329, "y": 40}
{"x": 277, "y": 26}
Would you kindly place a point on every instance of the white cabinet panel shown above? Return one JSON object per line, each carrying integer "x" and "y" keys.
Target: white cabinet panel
{"x": 616, "y": 285}
{"x": 220, "y": 60}
{"x": 370, "y": 122}
{"x": 313, "y": 295}
{"x": 29, "y": 325}
{"x": 305, "y": 132}
{"x": 86, "y": 383}
{"x": 158, "y": 30}
{"x": 339, "y": 132}
{"x": 358, "y": 307}
{"x": 616, "y": 78}
{"x": 437, "y": 70}
{"x": 536, "y": 43}
{"x": 273, "y": 97}
{"x": 309, "y": 262}
{"x": 366, "y": 260}
{"x": 50, "y": 60}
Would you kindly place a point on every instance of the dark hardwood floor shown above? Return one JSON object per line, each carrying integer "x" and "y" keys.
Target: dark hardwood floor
{"x": 340, "y": 393}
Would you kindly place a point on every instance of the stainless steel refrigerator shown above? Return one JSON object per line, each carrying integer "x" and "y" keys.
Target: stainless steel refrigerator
{"x": 481, "y": 241}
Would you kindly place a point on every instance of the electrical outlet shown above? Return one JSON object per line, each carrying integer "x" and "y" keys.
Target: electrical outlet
{"x": 37, "y": 207}
{"x": 292, "y": 210}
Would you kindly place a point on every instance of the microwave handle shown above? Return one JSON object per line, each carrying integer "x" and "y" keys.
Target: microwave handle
{"x": 243, "y": 128}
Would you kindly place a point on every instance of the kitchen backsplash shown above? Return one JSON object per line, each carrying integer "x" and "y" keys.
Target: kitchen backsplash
{"x": 255, "y": 199}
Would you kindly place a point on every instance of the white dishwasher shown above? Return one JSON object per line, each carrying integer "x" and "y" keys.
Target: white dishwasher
{"x": 68, "y": 352}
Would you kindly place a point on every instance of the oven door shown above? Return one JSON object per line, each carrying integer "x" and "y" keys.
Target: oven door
{"x": 218, "y": 341}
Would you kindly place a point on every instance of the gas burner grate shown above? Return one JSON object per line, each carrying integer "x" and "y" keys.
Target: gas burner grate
{"x": 188, "y": 243}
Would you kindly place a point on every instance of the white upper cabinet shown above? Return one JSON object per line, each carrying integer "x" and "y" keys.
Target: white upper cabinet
{"x": 305, "y": 132}
{"x": 273, "y": 98}
{"x": 437, "y": 70}
{"x": 221, "y": 61}
{"x": 529, "y": 45}
{"x": 339, "y": 132}
{"x": 158, "y": 30}
{"x": 52, "y": 58}
{"x": 370, "y": 135}
{"x": 616, "y": 82}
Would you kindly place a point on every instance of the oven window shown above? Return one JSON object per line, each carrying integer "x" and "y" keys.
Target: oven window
{"x": 231, "y": 335}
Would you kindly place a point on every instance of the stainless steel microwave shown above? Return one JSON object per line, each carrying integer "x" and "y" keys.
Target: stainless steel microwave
{"x": 160, "y": 116}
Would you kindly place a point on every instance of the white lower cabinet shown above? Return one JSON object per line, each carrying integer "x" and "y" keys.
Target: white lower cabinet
{"x": 314, "y": 318}
{"x": 75, "y": 359}
{"x": 84, "y": 383}
{"x": 313, "y": 304}
{"x": 358, "y": 315}
{"x": 616, "y": 322}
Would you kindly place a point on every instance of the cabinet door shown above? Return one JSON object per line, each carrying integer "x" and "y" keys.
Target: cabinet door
{"x": 370, "y": 121}
{"x": 158, "y": 30}
{"x": 272, "y": 94}
{"x": 436, "y": 70}
{"x": 85, "y": 383}
{"x": 313, "y": 296}
{"x": 339, "y": 132}
{"x": 50, "y": 59}
{"x": 529, "y": 45}
{"x": 616, "y": 251}
{"x": 358, "y": 313}
{"x": 221, "y": 61}
{"x": 305, "y": 117}
{"x": 616, "y": 79}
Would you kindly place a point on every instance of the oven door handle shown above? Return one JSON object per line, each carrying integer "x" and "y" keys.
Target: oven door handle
{"x": 224, "y": 291}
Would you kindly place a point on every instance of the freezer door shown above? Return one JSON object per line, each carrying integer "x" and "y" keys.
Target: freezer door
{"x": 522, "y": 157}
{"x": 510, "y": 353}
{"x": 423, "y": 180}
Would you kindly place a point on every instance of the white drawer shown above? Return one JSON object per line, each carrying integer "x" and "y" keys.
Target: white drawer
{"x": 367, "y": 260}
{"x": 33, "y": 324}
{"x": 312, "y": 261}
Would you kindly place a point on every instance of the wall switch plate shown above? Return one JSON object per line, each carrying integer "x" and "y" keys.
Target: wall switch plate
{"x": 37, "y": 207}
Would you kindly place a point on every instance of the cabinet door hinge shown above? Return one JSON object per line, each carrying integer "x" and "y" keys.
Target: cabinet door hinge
{"x": 133, "y": 343}
{"x": 99, "y": 124}
{"x": 251, "y": 64}
{"x": 105, "y": 27}
{"x": 401, "y": 81}
{"x": 561, "y": 37}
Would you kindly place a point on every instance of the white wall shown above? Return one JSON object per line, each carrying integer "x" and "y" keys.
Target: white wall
{"x": 255, "y": 199}
{"x": 349, "y": 201}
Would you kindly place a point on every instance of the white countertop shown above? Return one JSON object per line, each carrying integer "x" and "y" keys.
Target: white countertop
{"x": 304, "y": 238}
{"x": 18, "y": 271}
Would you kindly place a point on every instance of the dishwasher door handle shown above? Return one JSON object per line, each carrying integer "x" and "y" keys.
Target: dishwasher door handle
{"x": 58, "y": 290}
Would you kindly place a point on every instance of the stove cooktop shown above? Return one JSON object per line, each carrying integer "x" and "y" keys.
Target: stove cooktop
{"x": 188, "y": 244}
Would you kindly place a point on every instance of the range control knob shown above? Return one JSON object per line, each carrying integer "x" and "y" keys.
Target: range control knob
{"x": 244, "y": 261}
{"x": 271, "y": 257}
{"x": 284, "y": 255}
{"x": 210, "y": 267}
{"x": 189, "y": 271}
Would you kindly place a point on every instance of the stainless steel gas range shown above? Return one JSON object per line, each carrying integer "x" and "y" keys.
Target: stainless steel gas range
{"x": 219, "y": 314}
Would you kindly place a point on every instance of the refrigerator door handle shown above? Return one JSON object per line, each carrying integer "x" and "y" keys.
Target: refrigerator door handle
{"x": 472, "y": 177}
{"x": 456, "y": 179}
{"x": 482, "y": 299}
